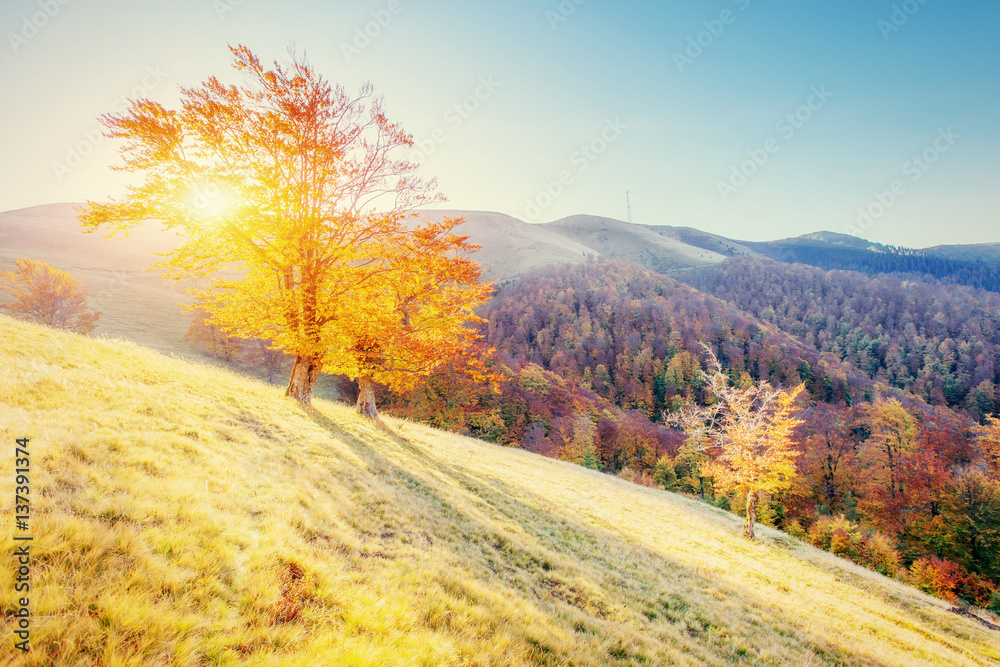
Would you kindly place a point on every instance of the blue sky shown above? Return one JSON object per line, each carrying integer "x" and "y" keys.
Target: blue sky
{"x": 751, "y": 119}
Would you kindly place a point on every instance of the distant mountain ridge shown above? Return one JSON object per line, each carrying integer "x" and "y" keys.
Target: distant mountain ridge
{"x": 134, "y": 302}
{"x": 659, "y": 248}
{"x": 987, "y": 252}
{"x": 974, "y": 265}
{"x": 510, "y": 247}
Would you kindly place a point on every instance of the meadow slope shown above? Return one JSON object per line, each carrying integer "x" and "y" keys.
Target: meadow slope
{"x": 185, "y": 515}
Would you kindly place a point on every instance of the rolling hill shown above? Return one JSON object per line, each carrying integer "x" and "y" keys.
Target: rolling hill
{"x": 972, "y": 265}
{"x": 136, "y": 305}
{"x": 143, "y": 307}
{"x": 512, "y": 247}
{"x": 185, "y": 515}
{"x": 660, "y": 249}
{"x": 987, "y": 252}
{"x": 114, "y": 269}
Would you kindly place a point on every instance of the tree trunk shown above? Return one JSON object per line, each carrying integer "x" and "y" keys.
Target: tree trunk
{"x": 304, "y": 375}
{"x": 752, "y": 499}
{"x": 366, "y": 398}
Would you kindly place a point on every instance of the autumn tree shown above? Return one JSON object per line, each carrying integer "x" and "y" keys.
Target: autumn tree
{"x": 47, "y": 295}
{"x": 452, "y": 400}
{"x": 988, "y": 437}
{"x": 419, "y": 315}
{"x": 828, "y": 450}
{"x": 747, "y": 433}
{"x": 261, "y": 354}
{"x": 579, "y": 447}
{"x": 892, "y": 434}
{"x": 210, "y": 338}
{"x": 295, "y": 187}
{"x": 975, "y": 522}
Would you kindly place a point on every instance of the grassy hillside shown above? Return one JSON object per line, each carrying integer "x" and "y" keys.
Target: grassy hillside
{"x": 658, "y": 249}
{"x": 184, "y": 515}
{"x": 134, "y": 304}
{"x": 512, "y": 247}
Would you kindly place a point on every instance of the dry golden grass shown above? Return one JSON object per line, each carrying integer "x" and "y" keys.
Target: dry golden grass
{"x": 184, "y": 515}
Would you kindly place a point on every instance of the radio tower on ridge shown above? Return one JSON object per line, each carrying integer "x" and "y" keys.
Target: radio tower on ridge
{"x": 628, "y": 207}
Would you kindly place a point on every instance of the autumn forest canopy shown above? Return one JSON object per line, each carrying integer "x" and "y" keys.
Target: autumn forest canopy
{"x": 897, "y": 463}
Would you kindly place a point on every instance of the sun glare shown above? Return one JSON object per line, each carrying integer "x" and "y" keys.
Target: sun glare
{"x": 212, "y": 201}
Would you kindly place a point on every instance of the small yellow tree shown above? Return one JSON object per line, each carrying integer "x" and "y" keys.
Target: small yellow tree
{"x": 48, "y": 296}
{"x": 988, "y": 437}
{"x": 747, "y": 433}
{"x": 893, "y": 435}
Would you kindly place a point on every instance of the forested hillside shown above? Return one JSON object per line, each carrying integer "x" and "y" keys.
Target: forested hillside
{"x": 634, "y": 337}
{"x": 941, "y": 342}
{"x": 859, "y": 255}
{"x": 594, "y": 356}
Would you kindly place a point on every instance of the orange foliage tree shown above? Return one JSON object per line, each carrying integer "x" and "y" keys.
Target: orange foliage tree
{"x": 210, "y": 338}
{"x": 418, "y": 315}
{"x": 893, "y": 435}
{"x": 295, "y": 185}
{"x": 747, "y": 431}
{"x": 48, "y": 296}
{"x": 828, "y": 453}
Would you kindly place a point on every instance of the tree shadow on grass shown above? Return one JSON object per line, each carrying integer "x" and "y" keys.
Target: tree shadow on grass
{"x": 555, "y": 562}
